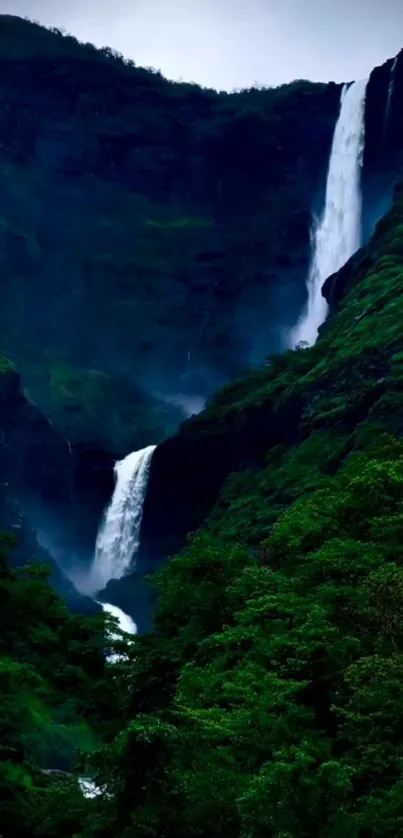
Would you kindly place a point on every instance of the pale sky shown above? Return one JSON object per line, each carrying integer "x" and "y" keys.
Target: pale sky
{"x": 234, "y": 43}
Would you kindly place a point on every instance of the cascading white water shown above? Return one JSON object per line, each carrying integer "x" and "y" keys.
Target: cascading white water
{"x": 119, "y": 534}
{"x": 337, "y": 235}
{"x": 125, "y": 622}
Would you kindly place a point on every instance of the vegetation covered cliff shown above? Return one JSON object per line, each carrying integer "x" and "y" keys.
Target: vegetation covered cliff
{"x": 150, "y": 229}
{"x": 267, "y": 699}
{"x": 152, "y": 235}
{"x": 154, "y": 239}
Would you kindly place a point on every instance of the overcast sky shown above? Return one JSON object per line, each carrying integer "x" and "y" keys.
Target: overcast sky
{"x": 234, "y": 43}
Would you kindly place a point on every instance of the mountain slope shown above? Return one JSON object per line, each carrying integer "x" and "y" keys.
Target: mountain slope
{"x": 149, "y": 228}
{"x": 158, "y": 231}
{"x": 328, "y": 392}
{"x": 268, "y": 699}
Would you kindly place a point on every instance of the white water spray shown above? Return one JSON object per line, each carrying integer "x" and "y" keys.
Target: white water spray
{"x": 337, "y": 235}
{"x": 119, "y": 535}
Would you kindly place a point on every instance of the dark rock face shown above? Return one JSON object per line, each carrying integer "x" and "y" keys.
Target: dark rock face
{"x": 336, "y": 285}
{"x": 189, "y": 471}
{"x": 34, "y": 457}
{"x": 93, "y": 487}
{"x": 383, "y": 154}
{"x": 157, "y": 230}
{"x": 384, "y": 125}
{"x": 36, "y": 477}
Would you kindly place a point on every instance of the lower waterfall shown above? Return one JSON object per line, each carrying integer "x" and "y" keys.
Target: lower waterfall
{"x": 125, "y": 622}
{"x": 119, "y": 534}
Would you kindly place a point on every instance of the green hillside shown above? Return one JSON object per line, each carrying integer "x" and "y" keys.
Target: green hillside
{"x": 267, "y": 702}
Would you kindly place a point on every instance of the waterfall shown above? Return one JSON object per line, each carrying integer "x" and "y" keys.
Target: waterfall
{"x": 119, "y": 534}
{"x": 389, "y": 98}
{"x": 337, "y": 234}
{"x": 89, "y": 788}
{"x": 125, "y": 622}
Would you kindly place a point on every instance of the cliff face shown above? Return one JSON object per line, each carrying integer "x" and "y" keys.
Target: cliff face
{"x": 40, "y": 485}
{"x": 229, "y": 438}
{"x": 302, "y": 411}
{"x": 34, "y": 457}
{"x": 270, "y": 690}
{"x": 149, "y": 228}
{"x": 154, "y": 241}
{"x": 153, "y": 233}
{"x": 383, "y": 153}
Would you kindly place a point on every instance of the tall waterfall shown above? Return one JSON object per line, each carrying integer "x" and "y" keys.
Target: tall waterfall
{"x": 337, "y": 234}
{"x": 119, "y": 534}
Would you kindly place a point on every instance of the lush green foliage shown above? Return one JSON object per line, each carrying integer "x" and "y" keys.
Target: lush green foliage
{"x": 58, "y": 698}
{"x": 267, "y": 702}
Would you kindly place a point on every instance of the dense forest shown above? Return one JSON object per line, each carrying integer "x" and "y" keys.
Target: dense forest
{"x": 156, "y": 235}
{"x": 58, "y": 699}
